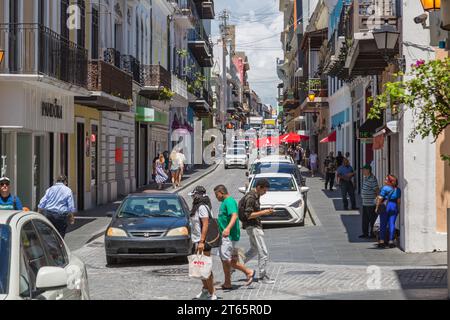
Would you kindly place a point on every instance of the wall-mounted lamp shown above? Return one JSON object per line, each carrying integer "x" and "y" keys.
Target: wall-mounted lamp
{"x": 2, "y": 54}
{"x": 311, "y": 96}
{"x": 431, "y": 5}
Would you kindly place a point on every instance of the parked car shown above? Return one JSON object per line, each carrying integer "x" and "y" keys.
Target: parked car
{"x": 236, "y": 157}
{"x": 277, "y": 167}
{"x": 149, "y": 225}
{"x": 285, "y": 196}
{"x": 35, "y": 263}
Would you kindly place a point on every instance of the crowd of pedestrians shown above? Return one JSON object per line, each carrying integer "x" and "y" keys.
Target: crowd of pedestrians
{"x": 169, "y": 167}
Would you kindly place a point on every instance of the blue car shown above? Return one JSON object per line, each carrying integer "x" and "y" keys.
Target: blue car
{"x": 149, "y": 225}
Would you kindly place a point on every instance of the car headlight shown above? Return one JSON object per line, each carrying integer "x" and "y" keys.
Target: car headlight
{"x": 183, "y": 231}
{"x": 297, "y": 204}
{"x": 115, "y": 232}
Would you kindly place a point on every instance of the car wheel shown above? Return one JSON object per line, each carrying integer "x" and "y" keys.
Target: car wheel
{"x": 111, "y": 260}
{"x": 226, "y": 167}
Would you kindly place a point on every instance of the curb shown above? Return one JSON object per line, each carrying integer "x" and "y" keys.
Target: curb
{"x": 189, "y": 183}
{"x": 99, "y": 233}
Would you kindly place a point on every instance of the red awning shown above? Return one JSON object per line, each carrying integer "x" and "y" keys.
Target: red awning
{"x": 330, "y": 138}
{"x": 293, "y": 138}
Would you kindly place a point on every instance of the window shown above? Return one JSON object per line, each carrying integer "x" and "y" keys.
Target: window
{"x": 64, "y": 17}
{"x": 81, "y": 33}
{"x": 95, "y": 34}
{"x": 151, "y": 207}
{"x": 279, "y": 184}
{"x": 33, "y": 253}
{"x": 54, "y": 247}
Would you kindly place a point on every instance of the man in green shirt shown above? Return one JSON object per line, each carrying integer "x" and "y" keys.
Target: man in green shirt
{"x": 229, "y": 227}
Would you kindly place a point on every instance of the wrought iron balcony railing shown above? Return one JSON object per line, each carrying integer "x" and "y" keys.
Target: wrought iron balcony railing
{"x": 35, "y": 49}
{"x": 108, "y": 78}
{"x": 132, "y": 65}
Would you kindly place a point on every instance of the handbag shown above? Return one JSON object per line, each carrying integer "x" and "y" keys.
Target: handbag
{"x": 213, "y": 236}
{"x": 200, "y": 266}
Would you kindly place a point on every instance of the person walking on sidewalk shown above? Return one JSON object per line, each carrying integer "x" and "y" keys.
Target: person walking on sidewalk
{"x": 7, "y": 200}
{"x": 330, "y": 170}
{"x": 313, "y": 160}
{"x": 200, "y": 213}
{"x": 175, "y": 168}
{"x": 369, "y": 192}
{"x": 250, "y": 208}
{"x": 388, "y": 207}
{"x": 228, "y": 221}
{"x": 161, "y": 175}
{"x": 182, "y": 160}
{"x": 345, "y": 175}
{"x": 58, "y": 206}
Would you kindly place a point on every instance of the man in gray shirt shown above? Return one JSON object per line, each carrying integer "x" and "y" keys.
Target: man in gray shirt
{"x": 369, "y": 193}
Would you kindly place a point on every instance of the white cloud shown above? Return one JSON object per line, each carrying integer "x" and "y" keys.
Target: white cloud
{"x": 258, "y": 27}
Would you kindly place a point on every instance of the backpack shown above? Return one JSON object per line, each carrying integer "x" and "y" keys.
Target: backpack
{"x": 241, "y": 208}
{"x": 213, "y": 236}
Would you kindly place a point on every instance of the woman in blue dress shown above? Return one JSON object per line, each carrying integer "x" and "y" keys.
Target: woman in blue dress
{"x": 161, "y": 175}
{"x": 388, "y": 207}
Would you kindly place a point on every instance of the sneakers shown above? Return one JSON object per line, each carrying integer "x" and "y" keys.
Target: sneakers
{"x": 211, "y": 297}
{"x": 203, "y": 295}
{"x": 266, "y": 280}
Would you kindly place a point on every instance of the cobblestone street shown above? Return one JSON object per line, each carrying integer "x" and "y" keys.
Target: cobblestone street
{"x": 322, "y": 261}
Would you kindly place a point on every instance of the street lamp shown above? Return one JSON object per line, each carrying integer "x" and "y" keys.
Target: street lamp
{"x": 431, "y": 5}
{"x": 386, "y": 37}
{"x": 311, "y": 96}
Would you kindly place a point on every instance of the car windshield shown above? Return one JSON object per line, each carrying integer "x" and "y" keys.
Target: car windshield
{"x": 5, "y": 250}
{"x": 151, "y": 207}
{"x": 274, "y": 168}
{"x": 279, "y": 184}
{"x": 237, "y": 152}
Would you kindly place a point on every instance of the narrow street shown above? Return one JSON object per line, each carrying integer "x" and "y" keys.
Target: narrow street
{"x": 325, "y": 261}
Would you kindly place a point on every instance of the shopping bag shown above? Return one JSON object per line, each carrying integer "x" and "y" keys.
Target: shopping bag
{"x": 200, "y": 266}
{"x": 376, "y": 226}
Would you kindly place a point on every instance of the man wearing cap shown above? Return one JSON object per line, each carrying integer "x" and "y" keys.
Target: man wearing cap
{"x": 58, "y": 205}
{"x": 8, "y": 201}
{"x": 369, "y": 192}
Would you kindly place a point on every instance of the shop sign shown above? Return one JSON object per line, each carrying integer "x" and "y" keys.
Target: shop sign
{"x": 52, "y": 110}
{"x": 151, "y": 115}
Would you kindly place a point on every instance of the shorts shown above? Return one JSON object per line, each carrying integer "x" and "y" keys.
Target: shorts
{"x": 228, "y": 249}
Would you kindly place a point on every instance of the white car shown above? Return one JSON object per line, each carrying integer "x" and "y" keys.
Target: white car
{"x": 236, "y": 157}
{"x": 35, "y": 263}
{"x": 285, "y": 196}
{"x": 275, "y": 158}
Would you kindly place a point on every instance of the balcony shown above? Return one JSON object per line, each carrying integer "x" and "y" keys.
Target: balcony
{"x": 364, "y": 58}
{"x": 132, "y": 65}
{"x": 201, "y": 47}
{"x": 184, "y": 13}
{"x": 111, "y": 88}
{"x": 154, "y": 79}
{"x": 202, "y": 104}
{"x": 33, "y": 49}
{"x": 205, "y": 9}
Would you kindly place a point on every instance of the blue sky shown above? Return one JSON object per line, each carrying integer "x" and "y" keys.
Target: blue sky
{"x": 258, "y": 27}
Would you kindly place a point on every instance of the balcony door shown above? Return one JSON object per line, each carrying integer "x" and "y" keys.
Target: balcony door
{"x": 80, "y": 166}
{"x": 13, "y": 52}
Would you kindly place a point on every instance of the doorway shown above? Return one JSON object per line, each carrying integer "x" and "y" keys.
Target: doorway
{"x": 24, "y": 168}
{"x": 80, "y": 166}
{"x": 143, "y": 152}
{"x": 94, "y": 164}
{"x": 39, "y": 163}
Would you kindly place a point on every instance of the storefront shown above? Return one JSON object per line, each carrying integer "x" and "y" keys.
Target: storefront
{"x": 152, "y": 134}
{"x": 85, "y": 157}
{"x": 35, "y": 126}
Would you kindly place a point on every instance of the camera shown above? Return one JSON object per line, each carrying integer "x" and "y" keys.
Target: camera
{"x": 421, "y": 19}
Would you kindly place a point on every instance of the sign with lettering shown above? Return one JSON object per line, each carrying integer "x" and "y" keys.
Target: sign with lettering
{"x": 52, "y": 110}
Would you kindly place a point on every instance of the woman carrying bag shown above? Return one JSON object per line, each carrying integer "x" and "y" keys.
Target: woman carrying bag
{"x": 388, "y": 207}
{"x": 200, "y": 216}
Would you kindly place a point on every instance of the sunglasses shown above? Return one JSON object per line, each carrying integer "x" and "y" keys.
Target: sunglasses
{"x": 4, "y": 184}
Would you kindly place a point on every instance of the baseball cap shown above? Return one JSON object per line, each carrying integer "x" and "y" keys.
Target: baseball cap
{"x": 198, "y": 190}
{"x": 367, "y": 167}
{"x": 3, "y": 179}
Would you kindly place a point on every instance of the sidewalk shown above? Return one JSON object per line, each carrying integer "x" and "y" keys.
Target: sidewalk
{"x": 93, "y": 223}
{"x": 335, "y": 239}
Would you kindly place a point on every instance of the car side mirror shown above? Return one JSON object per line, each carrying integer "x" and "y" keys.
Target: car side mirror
{"x": 247, "y": 174}
{"x": 110, "y": 214}
{"x": 51, "y": 278}
{"x": 304, "y": 189}
{"x": 242, "y": 190}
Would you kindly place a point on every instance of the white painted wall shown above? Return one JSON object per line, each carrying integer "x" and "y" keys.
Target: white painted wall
{"x": 417, "y": 160}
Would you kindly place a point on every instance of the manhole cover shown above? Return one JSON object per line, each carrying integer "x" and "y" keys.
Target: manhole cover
{"x": 313, "y": 273}
{"x": 171, "y": 272}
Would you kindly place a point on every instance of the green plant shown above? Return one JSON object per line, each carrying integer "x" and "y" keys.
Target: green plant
{"x": 426, "y": 95}
{"x": 182, "y": 53}
{"x": 166, "y": 94}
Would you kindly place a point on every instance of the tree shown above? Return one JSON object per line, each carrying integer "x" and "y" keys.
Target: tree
{"x": 426, "y": 95}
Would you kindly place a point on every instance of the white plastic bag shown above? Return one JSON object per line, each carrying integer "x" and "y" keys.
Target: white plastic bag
{"x": 200, "y": 266}
{"x": 376, "y": 226}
